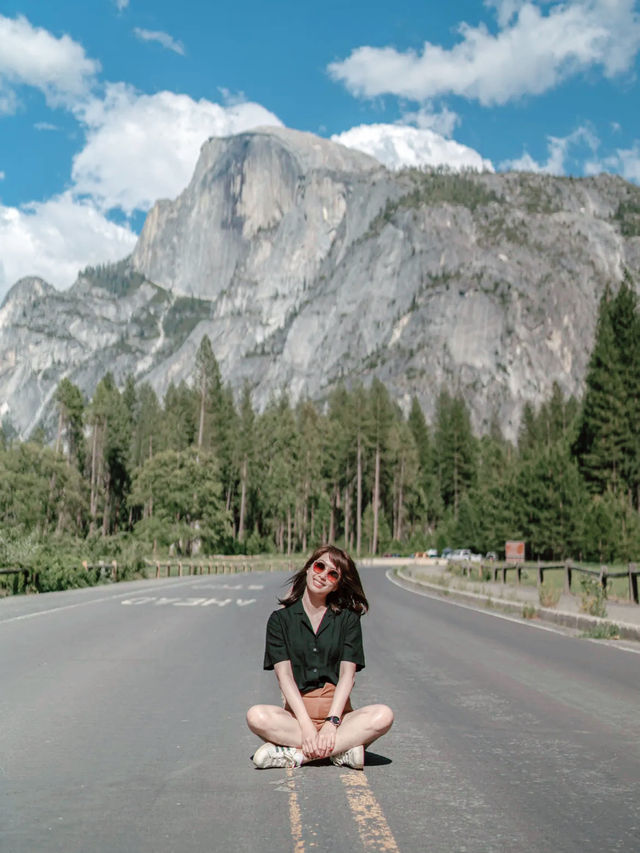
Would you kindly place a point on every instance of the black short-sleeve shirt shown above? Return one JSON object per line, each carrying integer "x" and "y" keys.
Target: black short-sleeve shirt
{"x": 315, "y": 658}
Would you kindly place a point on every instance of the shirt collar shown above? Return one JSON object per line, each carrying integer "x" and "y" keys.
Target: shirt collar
{"x": 298, "y": 610}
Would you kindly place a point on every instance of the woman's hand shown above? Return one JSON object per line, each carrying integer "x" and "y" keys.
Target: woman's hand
{"x": 310, "y": 740}
{"x": 326, "y": 740}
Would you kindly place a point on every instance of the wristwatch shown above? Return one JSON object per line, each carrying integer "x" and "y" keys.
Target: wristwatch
{"x": 334, "y": 720}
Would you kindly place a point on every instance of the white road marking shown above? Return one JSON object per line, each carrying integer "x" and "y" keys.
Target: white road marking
{"x": 104, "y": 599}
{"x": 227, "y": 586}
{"x": 186, "y": 602}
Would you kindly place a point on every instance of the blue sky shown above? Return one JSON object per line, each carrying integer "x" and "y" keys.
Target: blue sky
{"x": 104, "y": 104}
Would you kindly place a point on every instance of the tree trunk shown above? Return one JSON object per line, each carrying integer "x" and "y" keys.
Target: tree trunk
{"x": 105, "y": 511}
{"x": 347, "y": 510}
{"x": 93, "y": 499}
{"x": 376, "y": 502}
{"x": 359, "y": 500}
{"x": 332, "y": 529}
{"x": 243, "y": 498}
{"x": 203, "y": 397}
{"x": 59, "y": 435}
{"x": 305, "y": 515}
{"x": 400, "y": 500}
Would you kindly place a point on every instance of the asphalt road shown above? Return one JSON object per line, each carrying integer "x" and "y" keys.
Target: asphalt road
{"x": 122, "y": 729}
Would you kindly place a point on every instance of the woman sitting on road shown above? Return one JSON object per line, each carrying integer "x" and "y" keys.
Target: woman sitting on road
{"x": 314, "y": 644}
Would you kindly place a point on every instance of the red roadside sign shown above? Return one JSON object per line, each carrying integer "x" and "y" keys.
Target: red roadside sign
{"x": 514, "y": 552}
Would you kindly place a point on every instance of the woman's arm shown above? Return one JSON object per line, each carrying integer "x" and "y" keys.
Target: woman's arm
{"x": 289, "y": 688}
{"x": 327, "y": 734}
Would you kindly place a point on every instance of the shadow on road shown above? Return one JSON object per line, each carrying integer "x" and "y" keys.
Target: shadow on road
{"x": 372, "y": 759}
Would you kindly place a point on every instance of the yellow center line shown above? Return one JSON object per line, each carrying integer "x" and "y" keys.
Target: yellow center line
{"x": 371, "y": 823}
{"x": 295, "y": 817}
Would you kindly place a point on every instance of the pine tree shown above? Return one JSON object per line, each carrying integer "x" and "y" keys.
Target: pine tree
{"x": 427, "y": 502}
{"x": 70, "y": 411}
{"x": 602, "y": 437}
{"x": 245, "y": 448}
{"x": 179, "y": 424}
{"x": 455, "y": 448}
{"x": 382, "y": 415}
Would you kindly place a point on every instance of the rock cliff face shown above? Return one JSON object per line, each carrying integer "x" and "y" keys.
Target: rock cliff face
{"x": 307, "y": 263}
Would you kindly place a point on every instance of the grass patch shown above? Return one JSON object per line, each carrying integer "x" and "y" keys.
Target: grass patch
{"x": 548, "y": 595}
{"x": 528, "y": 611}
{"x": 603, "y": 631}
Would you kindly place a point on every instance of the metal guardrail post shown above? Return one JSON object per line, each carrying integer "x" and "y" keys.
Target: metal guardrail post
{"x": 633, "y": 583}
{"x": 567, "y": 577}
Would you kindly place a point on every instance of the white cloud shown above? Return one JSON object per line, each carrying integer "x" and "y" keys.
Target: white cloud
{"x": 443, "y": 122}
{"x": 625, "y": 162}
{"x": 55, "y": 239}
{"x": 31, "y": 56}
{"x": 2, "y": 176}
{"x": 144, "y": 147}
{"x": 558, "y": 149}
{"x": 162, "y": 38}
{"x": 530, "y": 54}
{"x": 505, "y": 9}
{"x": 121, "y": 4}
{"x": 45, "y": 125}
{"x": 398, "y": 146}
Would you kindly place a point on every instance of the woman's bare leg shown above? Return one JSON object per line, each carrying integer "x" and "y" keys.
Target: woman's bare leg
{"x": 275, "y": 725}
{"x": 362, "y": 726}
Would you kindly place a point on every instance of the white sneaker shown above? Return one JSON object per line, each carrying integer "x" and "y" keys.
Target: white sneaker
{"x": 271, "y": 755}
{"x": 353, "y": 757}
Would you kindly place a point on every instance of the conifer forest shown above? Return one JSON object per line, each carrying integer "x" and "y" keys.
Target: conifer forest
{"x": 202, "y": 472}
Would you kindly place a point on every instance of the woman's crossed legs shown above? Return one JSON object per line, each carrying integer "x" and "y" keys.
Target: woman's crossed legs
{"x": 358, "y": 728}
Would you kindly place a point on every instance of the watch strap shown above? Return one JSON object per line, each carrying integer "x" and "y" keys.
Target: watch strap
{"x": 334, "y": 720}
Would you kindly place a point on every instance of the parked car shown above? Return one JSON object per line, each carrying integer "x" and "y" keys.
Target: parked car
{"x": 491, "y": 555}
{"x": 476, "y": 558}
{"x": 446, "y": 553}
{"x": 432, "y": 552}
{"x": 460, "y": 555}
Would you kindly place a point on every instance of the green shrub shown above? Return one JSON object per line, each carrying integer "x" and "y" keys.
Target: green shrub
{"x": 593, "y": 596}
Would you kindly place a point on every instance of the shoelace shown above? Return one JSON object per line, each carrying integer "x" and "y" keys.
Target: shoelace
{"x": 286, "y": 758}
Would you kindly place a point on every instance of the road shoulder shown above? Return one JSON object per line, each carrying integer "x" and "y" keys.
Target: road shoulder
{"x": 521, "y": 602}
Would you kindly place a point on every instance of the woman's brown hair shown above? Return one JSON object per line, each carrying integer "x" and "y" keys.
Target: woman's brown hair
{"x": 348, "y": 594}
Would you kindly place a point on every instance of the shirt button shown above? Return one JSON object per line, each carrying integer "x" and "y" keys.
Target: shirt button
{"x": 315, "y": 650}
{"x": 315, "y": 669}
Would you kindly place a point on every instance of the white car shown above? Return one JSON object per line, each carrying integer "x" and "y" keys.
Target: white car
{"x": 460, "y": 555}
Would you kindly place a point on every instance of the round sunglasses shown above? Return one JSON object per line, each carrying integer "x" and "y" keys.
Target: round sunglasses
{"x": 320, "y": 566}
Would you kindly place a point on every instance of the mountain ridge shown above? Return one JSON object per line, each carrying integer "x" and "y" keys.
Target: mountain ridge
{"x": 308, "y": 264}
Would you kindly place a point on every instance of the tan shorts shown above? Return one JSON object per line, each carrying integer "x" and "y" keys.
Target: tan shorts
{"x": 318, "y": 704}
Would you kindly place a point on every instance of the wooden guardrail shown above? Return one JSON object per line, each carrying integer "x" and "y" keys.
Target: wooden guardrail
{"x": 165, "y": 568}
{"x": 569, "y": 568}
{"x": 30, "y": 578}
